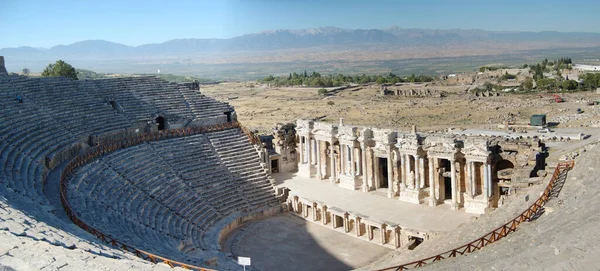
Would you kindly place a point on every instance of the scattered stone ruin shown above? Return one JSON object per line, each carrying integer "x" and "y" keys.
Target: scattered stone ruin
{"x": 420, "y": 93}
{"x": 486, "y": 94}
{"x": 283, "y": 149}
{"x": 466, "y": 172}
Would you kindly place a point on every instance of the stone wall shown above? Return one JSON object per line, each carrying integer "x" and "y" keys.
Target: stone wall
{"x": 2, "y": 67}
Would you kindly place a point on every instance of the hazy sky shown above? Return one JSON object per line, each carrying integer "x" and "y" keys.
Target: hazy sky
{"x": 45, "y": 23}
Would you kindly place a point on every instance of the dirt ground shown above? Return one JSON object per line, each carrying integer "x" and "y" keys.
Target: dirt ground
{"x": 287, "y": 242}
{"x": 261, "y": 107}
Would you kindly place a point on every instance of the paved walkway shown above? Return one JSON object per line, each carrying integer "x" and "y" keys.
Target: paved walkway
{"x": 375, "y": 205}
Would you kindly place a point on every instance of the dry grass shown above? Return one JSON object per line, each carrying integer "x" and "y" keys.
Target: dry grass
{"x": 261, "y": 107}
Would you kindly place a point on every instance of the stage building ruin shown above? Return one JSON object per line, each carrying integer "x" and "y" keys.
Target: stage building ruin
{"x": 466, "y": 172}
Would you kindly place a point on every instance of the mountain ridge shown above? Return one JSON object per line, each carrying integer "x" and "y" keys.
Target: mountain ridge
{"x": 287, "y": 47}
{"x": 393, "y": 30}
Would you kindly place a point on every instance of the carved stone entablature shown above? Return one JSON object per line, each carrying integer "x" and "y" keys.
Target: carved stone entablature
{"x": 365, "y": 136}
{"x": 347, "y": 134}
{"x": 476, "y": 149}
{"x": 443, "y": 147}
{"x": 443, "y": 143}
{"x": 324, "y": 131}
{"x": 408, "y": 143}
{"x": 381, "y": 150}
{"x": 304, "y": 126}
{"x": 384, "y": 136}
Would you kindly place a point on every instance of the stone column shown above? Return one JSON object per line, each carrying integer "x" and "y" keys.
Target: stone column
{"x": 454, "y": 205}
{"x": 369, "y": 231}
{"x": 438, "y": 180}
{"x": 324, "y": 214}
{"x": 346, "y": 223}
{"x": 359, "y": 162}
{"x": 319, "y": 176}
{"x": 383, "y": 231}
{"x": 417, "y": 173}
{"x": 352, "y": 169}
{"x": 459, "y": 174}
{"x": 342, "y": 159}
{"x": 407, "y": 171}
{"x": 309, "y": 151}
{"x": 402, "y": 172}
{"x": 470, "y": 179}
{"x": 357, "y": 225}
{"x": 332, "y": 162}
{"x": 304, "y": 210}
{"x": 490, "y": 186}
{"x": 365, "y": 186}
{"x": 485, "y": 182}
{"x": 301, "y": 148}
{"x": 397, "y": 237}
{"x": 314, "y": 211}
{"x": 334, "y": 221}
{"x": 295, "y": 202}
{"x": 432, "y": 199}
{"x": 422, "y": 171}
{"x": 390, "y": 173}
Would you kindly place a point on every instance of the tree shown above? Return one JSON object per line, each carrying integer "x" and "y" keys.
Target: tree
{"x": 507, "y": 76}
{"x": 546, "y": 84}
{"x": 25, "y": 71}
{"x": 591, "y": 80}
{"x": 60, "y": 68}
{"x": 538, "y": 73}
{"x": 489, "y": 86}
{"x": 528, "y": 83}
{"x": 569, "y": 84}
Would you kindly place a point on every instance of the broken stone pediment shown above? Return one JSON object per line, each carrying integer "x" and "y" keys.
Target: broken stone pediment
{"x": 384, "y": 136}
{"x": 347, "y": 133}
{"x": 408, "y": 143}
{"x": 476, "y": 148}
{"x": 304, "y": 126}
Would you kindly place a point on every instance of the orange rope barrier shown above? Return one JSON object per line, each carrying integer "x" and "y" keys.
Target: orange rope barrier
{"x": 497, "y": 233}
{"x": 127, "y": 140}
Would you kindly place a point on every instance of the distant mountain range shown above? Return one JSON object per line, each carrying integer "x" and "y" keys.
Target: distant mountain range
{"x": 328, "y": 38}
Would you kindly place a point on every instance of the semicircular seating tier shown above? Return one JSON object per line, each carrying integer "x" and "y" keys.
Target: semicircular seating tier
{"x": 57, "y": 118}
{"x": 179, "y": 193}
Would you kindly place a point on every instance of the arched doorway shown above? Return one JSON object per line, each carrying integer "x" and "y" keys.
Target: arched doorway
{"x": 504, "y": 170}
{"x": 228, "y": 114}
{"x": 161, "y": 123}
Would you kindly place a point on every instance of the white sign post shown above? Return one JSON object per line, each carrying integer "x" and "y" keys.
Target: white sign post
{"x": 244, "y": 261}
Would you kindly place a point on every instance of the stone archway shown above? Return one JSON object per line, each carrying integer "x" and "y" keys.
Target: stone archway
{"x": 504, "y": 170}
{"x": 160, "y": 121}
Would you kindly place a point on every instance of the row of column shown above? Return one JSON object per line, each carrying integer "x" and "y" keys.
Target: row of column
{"x": 352, "y": 224}
{"x": 415, "y": 171}
{"x": 311, "y": 154}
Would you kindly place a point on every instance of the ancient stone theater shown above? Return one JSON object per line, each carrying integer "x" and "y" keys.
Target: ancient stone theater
{"x": 159, "y": 170}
